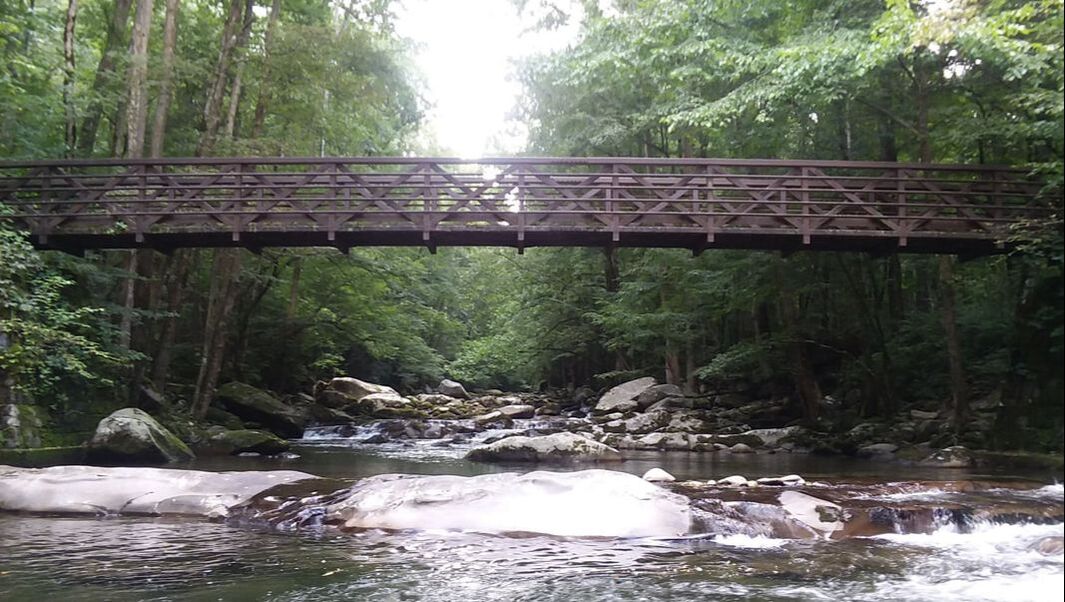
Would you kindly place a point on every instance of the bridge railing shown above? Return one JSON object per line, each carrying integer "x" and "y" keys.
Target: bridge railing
{"x": 519, "y": 201}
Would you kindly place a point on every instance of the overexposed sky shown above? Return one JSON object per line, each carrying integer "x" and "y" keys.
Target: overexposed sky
{"x": 466, "y": 53}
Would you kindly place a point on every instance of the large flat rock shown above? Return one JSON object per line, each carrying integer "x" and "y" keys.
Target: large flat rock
{"x": 124, "y": 490}
{"x": 586, "y": 503}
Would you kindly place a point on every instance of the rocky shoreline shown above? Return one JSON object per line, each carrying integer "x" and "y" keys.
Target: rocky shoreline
{"x": 495, "y": 426}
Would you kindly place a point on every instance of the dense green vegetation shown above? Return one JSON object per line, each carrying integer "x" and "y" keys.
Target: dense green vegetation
{"x": 945, "y": 81}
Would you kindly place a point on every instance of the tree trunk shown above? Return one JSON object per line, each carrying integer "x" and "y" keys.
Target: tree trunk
{"x": 958, "y": 405}
{"x": 177, "y": 276}
{"x": 114, "y": 44}
{"x": 235, "y": 34}
{"x": 70, "y": 134}
{"x": 213, "y": 107}
{"x": 263, "y": 101}
{"x": 234, "y": 101}
{"x": 294, "y": 291}
{"x": 137, "y": 104}
{"x": 125, "y": 324}
{"x": 219, "y": 307}
{"x": 166, "y": 80}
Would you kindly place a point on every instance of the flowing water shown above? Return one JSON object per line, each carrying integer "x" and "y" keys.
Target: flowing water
{"x": 960, "y": 557}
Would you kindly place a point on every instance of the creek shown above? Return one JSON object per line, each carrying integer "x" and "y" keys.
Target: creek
{"x": 958, "y": 534}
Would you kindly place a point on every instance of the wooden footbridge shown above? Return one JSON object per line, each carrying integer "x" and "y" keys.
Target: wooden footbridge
{"x": 518, "y": 202}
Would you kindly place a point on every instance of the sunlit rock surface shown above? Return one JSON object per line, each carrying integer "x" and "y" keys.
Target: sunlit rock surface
{"x": 151, "y": 491}
{"x": 600, "y": 503}
{"x": 559, "y": 447}
{"x": 622, "y": 398}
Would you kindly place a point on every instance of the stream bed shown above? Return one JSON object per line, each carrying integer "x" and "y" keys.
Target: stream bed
{"x": 961, "y": 556}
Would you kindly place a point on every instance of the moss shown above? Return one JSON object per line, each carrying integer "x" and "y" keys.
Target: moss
{"x": 43, "y": 456}
{"x": 244, "y": 440}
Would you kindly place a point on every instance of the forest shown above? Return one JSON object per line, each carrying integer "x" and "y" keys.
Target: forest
{"x": 836, "y": 334}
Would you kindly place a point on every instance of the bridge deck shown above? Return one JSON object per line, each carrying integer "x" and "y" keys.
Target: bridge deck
{"x": 518, "y": 202}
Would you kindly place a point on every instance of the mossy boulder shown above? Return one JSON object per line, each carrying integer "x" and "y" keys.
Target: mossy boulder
{"x": 130, "y": 435}
{"x": 221, "y": 441}
{"x": 560, "y": 447}
{"x": 223, "y": 418}
{"x": 255, "y": 405}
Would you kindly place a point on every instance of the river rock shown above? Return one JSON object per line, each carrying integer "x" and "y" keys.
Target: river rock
{"x": 641, "y": 424}
{"x": 735, "y": 480}
{"x": 493, "y": 417}
{"x": 622, "y": 398}
{"x": 559, "y": 447}
{"x": 586, "y": 503}
{"x": 791, "y": 480}
{"x": 255, "y": 405}
{"x": 131, "y": 435}
{"x": 385, "y": 405}
{"x": 653, "y": 395}
{"x": 665, "y": 441}
{"x": 124, "y": 490}
{"x": 771, "y": 437}
{"x": 685, "y": 422}
{"x": 356, "y": 389}
{"x": 518, "y": 411}
{"x": 615, "y": 426}
{"x": 20, "y": 425}
{"x": 245, "y": 440}
{"x": 452, "y": 389}
{"x": 878, "y": 450}
{"x": 1052, "y": 545}
{"x": 818, "y": 514}
{"x": 954, "y": 456}
{"x": 741, "y": 448}
{"x": 672, "y": 403}
{"x": 657, "y": 475}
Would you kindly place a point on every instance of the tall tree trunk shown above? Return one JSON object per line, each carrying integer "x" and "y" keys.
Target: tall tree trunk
{"x": 213, "y": 107}
{"x": 115, "y": 43}
{"x": 262, "y": 103}
{"x": 137, "y": 105}
{"x": 176, "y": 277}
{"x": 70, "y": 133}
{"x": 234, "y": 34}
{"x": 234, "y": 101}
{"x": 219, "y": 307}
{"x": 166, "y": 80}
{"x": 294, "y": 291}
{"x": 958, "y": 405}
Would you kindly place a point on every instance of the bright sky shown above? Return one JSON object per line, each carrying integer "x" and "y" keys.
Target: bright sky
{"x": 466, "y": 53}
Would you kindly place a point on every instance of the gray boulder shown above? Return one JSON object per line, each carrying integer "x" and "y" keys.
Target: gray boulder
{"x": 665, "y": 441}
{"x": 452, "y": 389}
{"x": 357, "y": 389}
{"x": 642, "y": 424}
{"x": 258, "y": 406}
{"x": 653, "y": 395}
{"x": 134, "y": 491}
{"x": 954, "y": 456}
{"x": 878, "y": 451}
{"x": 622, "y": 398}
{"x": 559, "y": 447}
{"x": 223, "y": 441}
{"x": 131, "y": 435}
{"x": 518, "y": 411}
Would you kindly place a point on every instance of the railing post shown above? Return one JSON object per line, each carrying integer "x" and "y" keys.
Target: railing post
{"x": 520, "y": 170}
{"x": 900, "y": 188}
{"x": 612, "y": 213}
{"x": 711, "y": 219}
{"x": 804, "y": 197}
